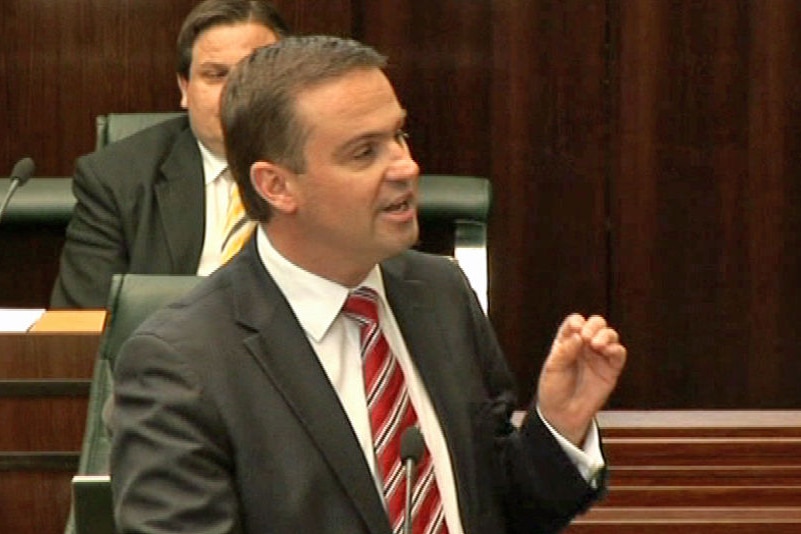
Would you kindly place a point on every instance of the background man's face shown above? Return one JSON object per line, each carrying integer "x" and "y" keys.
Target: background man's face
{"x": 214, "y": 54}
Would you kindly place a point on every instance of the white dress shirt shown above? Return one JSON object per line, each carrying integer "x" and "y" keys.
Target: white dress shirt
{"x": 317, "y": 303}
{"x": 217, "y": 194}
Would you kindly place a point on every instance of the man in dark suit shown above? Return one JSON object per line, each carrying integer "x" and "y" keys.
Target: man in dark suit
{"x": 272, "y": 398}
{"x": 156, "y": 202}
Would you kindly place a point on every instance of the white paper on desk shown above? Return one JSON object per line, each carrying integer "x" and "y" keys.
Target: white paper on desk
{"x": 19, "y": 319}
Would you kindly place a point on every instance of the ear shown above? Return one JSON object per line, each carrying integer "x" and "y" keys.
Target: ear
{"x": 183, "y": 85}
{"x": 274, "y": 184}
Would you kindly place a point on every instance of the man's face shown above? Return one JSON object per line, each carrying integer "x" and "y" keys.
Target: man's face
{"x": 357, "y": 200}
{"x": 214, "y": 54}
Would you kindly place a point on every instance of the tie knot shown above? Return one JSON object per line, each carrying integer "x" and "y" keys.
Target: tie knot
{"x": 362, "y": 305}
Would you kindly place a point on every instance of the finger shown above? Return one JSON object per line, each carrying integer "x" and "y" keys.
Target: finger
{"x": 565, "y": 352}
{"x": 572, "y": 324}
{"x": 592, "y": 326}
{"x": 615, "y": 355}
{"x": 607, "y": 364}
{"x": 604, "y": 337}
{"x": 607, "y": 344}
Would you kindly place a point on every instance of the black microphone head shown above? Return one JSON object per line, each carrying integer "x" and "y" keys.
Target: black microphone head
{"x": 412, "y": 444}
{"x": 23, "y": 170}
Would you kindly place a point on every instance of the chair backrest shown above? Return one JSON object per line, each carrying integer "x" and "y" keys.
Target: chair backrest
{"x": 132, "y": 298}
{"x": 463, "y": 202}
{"x": 43, "y": 201}
{"x": 116, "y": 126}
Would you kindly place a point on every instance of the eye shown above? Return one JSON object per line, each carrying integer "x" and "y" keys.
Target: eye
{"x": 364, "y": 152}
{"x": 215, "y": 75}
{"x": 401, "y": 136}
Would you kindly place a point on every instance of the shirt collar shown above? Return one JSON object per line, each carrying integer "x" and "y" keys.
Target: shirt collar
{"x": 212, "y": 165}
{"x": 316, "y": 301}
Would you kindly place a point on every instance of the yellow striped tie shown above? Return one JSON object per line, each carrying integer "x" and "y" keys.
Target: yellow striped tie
{"x": 238, "y": 227}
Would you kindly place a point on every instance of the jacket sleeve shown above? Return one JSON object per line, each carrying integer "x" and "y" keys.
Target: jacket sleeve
{"x": 172, "y": 467}
{"x": 539, "y": 489}
{"x": 95, "y": 244}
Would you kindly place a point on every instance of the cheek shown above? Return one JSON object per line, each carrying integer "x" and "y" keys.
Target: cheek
{"x": 205, "y": 99}
{"x": 335, "y": 203}
{"x": 213, "y": 99}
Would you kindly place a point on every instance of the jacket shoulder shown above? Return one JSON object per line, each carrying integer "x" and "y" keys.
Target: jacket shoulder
{"x": 416, "y": 264}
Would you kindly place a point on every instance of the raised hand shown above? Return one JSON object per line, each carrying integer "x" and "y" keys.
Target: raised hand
{"x": 579, "y": 374}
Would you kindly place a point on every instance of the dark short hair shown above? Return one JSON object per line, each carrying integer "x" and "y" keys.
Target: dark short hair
{"x": 212, "y": 13}
{"x": 257, "y": 111}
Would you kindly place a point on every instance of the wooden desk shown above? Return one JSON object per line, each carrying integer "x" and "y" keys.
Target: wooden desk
{"x": 699, "y": 471}
{"x": 45, "y": 376}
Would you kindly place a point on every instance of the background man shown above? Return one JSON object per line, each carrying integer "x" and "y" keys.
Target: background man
{"x": 157, "y": 201}
{"x": 272, "y": 398}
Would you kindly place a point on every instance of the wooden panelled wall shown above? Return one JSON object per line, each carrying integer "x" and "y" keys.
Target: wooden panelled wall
{"x": 642, "y": 152}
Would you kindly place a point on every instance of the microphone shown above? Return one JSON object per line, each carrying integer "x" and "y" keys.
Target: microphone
{"x": 411, "y": 450}
{"x": 20, "y": 174}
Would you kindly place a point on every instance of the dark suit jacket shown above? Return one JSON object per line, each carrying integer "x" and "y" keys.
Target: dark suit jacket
{"x": 140, "y": 208}
{"x": 225, "y": 421}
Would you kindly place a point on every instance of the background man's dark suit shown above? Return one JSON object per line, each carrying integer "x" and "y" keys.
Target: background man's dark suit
{"x": 140, "y": 209}
{"x": 232, "y": 432}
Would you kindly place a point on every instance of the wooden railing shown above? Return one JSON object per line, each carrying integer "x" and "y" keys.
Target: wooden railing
{"x": 45, "y": 375}
{"x": 699, "y": 471}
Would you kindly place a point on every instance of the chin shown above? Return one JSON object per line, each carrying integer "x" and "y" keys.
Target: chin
{"x": 404, "y": 245}
{"x": 399, "y": 241}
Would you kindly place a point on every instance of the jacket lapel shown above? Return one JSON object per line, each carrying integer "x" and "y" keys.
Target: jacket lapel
{"x": 297, "y": 374}
{"x": 180, "y": 196}
{"x": 421, "y": 319}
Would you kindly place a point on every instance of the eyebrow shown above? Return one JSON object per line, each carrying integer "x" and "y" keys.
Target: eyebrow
{"x": 369, "y": 136}
{"x": 216, "y": 65}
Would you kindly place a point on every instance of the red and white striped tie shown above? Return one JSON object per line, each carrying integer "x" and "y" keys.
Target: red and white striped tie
{"x": 391, "y": 413}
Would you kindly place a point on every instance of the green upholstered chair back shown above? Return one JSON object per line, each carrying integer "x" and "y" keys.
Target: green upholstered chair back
{"x": 42, "y": 201}
{"x": 116, "y": 126}
{"x": 463, "y": 202}
{"x": 132, "y": 298}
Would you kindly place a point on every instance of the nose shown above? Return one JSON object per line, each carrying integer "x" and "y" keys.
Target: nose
{"x": 403, "y": 169}
{"x": 402, "y": 166}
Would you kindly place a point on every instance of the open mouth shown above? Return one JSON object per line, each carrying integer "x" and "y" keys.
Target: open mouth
{"x": 398, "y": 206}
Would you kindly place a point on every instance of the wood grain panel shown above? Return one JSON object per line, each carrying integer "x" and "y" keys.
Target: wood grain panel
{"x": 704, "y": 256}
{"x": 48, "y": 356}
{"x": 34, "y": 502}
{"x": 35, "y": 371}
{"x": 40, "y": 448}
{"x": 334, "y": 17}
{"x": 689, "y": 520}
{"x": 43, "y": 423}
{"x": 440, "y": 64}
{"x": 548, "y": 135}
{"x": 699, "y": 471}
{"x": 72, "y": 60}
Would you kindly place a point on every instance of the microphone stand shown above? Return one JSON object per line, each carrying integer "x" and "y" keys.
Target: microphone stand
{"x": 411, "y": 450}
{"x": 407, "y": 507}
{"x": 20, "y": 174}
